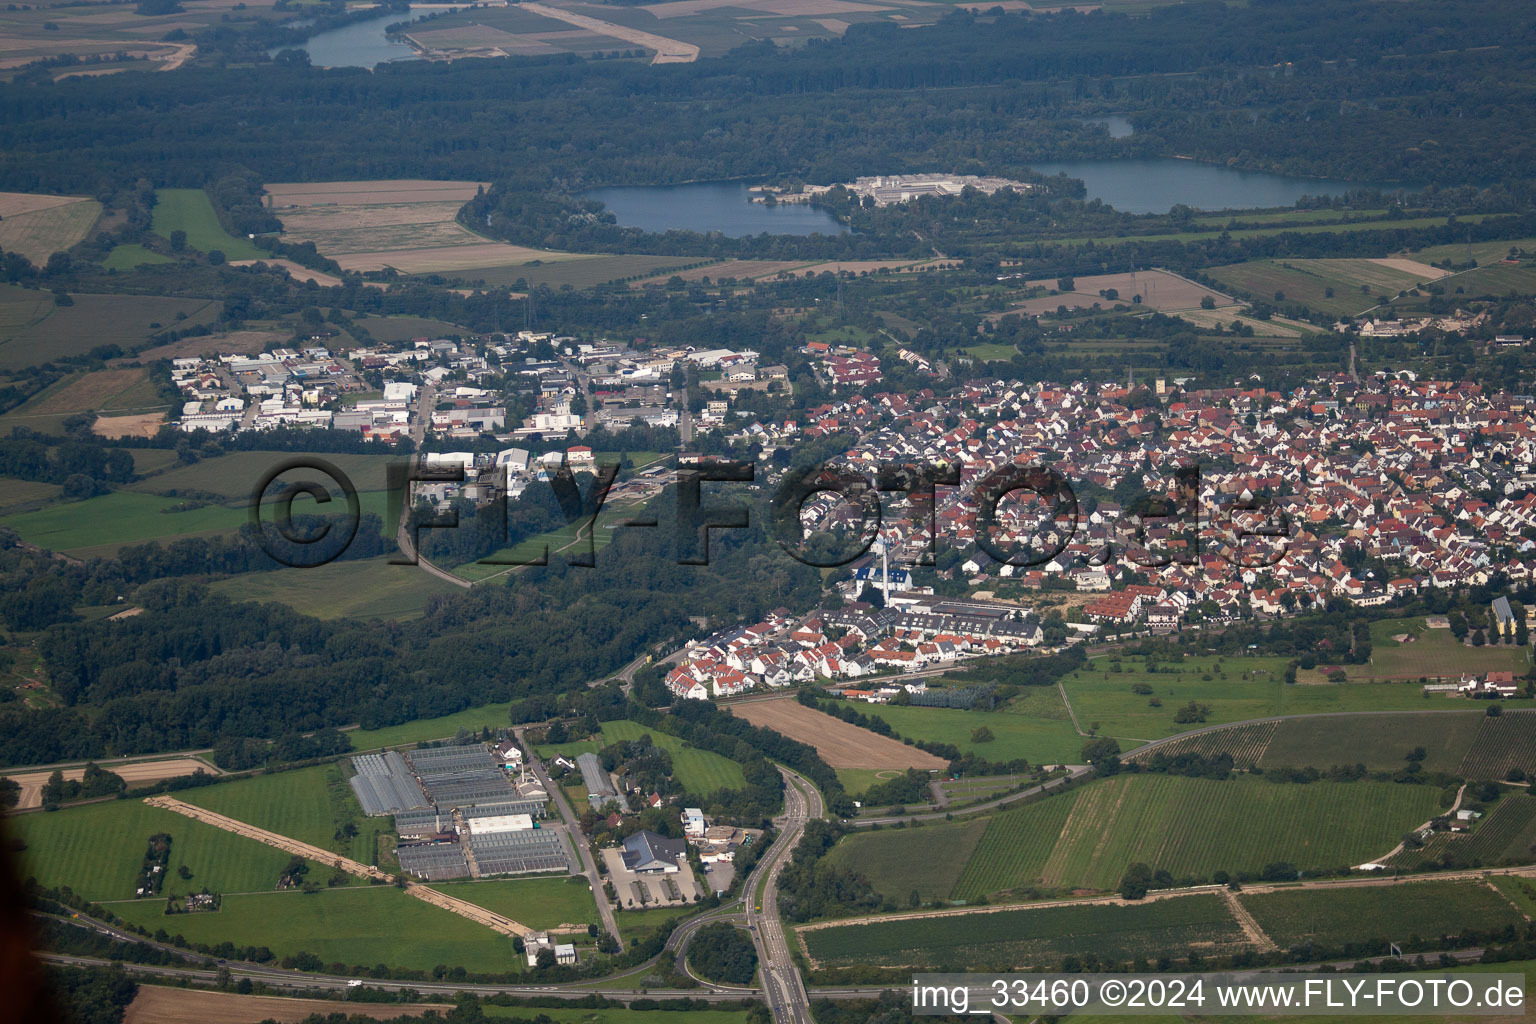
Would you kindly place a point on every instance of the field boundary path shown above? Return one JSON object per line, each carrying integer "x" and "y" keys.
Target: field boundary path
{"x": 1256, "y": 935}
{"x": 425, "y": 893}
{"x": 1453, "y": 809}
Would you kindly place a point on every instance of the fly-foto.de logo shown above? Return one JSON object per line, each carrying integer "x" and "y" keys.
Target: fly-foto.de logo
{"x": 1021, "y": 515}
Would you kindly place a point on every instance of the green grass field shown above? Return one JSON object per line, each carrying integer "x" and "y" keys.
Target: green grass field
{"x": 129, "y": 256}
{"x": 1044, "y": 736}
{"x": 497, "y": 716}
{"x": 1431, "y": 654}
{"x": 368, "y": 588}
{"x": 233, "y": 475}
{"x": 1379, "y": 742}
{"x": 309, "y": 805}
{"x": 366, "y": 925}
{"x": 1033, "y": 938}
{"x": 616, "y": 1015}
{"x": 1308, "y": 282}
{"x": 899, "y": 862}
{"x": 542, "y": 903}
{"x": 578, "y": 273}
{"x": 189, "y": 210}
{"x": 1238, "y": 689}
{"x": 1401, "y": 914}
{"x": 96, "y": 850}
{"x": 404, "y": 328}
{"x": 34, "y": 330}
{"x": 700, "y": 772}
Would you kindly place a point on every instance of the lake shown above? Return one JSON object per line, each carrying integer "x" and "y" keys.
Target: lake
{"x": 1135, "y": 186}
{"x": 1154, "y": 184}
{"x": 361, "y": 44}
{"x": 716, "y": 206}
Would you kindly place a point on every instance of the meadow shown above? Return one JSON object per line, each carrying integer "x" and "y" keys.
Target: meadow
{"x": 34, "y": 330}
{"x": 1235, "y": 690}
{"x": 96, "y": 850}
{"x": 190, "y": 210}
{"x": 365, "y": 588}
{"x": 700, "y": 772}
{"x": 119, "y": 518}
{"x": 542, "y": 903}
{"x": 899, "y": 862}
{"x": 365, "y": 924}
{"x": 1401, "y": 913}
{"x": 578, "y": 273}
{"x": 1037, "y": 937}
{"x": 1432, "y": 654}
{"x": 1309, "y": 282}
{"x": 497, "y": 716}
{"x": 234, "y": 474}
{"x": 1042, "y": 736}
{"x": 308, "y": 804}
{"x": 404, "y": 328}
{"x": 130, "y": 255}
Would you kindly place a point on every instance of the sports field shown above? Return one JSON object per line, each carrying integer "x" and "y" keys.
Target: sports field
{"x": 360, "y": 924}
{"x": 1033, "y": 938}
{"x": 190, "y": 210}
{"x": 1425, "y": 910}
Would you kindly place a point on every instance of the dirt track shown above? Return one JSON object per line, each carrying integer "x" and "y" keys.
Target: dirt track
{"x": 840, "y": 745}
{"x": 135, "y": 773}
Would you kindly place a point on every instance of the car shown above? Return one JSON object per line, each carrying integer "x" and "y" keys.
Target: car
{"x": 354, "y": 983}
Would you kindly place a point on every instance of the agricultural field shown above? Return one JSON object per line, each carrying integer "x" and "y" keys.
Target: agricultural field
{"x": 97, "y": 849}
{"x": 410, "y": 226}
{"x": 497, "y": 716}
{"x": 1379, "y": 742}
{"x": 309, "y": 804}
{"x": 1191, "y": 828}
{"x": 841, "y": 745}
{"x": 1311, "y": 281}
{"x": 1159, "y": 290}
{"x": 1502, "y": 744}
{"x": 899, "y": 862}
{"x": 360, "y": 924}
{"x": 1234, "y": 689}
{"x": 233, "y": 475}
{"x": 578, "y": 273}
{"x": 34, "y": 330}
{"x": 190, "y": 210}
{"x": 22, "y": 495}
{"x": 547, "y": 904}
{"x": 1505, "y": 835}
{"x": 1424, "y": 910}
{"x": 404, "y": 328}
{"x": 1015, "y": 847}
{"x": 37, "y": 226}
{"x": 1244, "y": 744}
{"x": 1031, "y": 938}
{"x": 134, "y": 773}
{"x": 1030, "y": 735}
{"x": 364, "y": 588}
{"x": 111, "y": 520}
{"x": 700, "y": 772}
{"x": 1425, "y": 653}
{"x": 1497, "y": 280}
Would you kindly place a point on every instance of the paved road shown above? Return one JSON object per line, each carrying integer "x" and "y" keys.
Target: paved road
{"x": 578, "y": 841}
{"x": 782, "y": 985}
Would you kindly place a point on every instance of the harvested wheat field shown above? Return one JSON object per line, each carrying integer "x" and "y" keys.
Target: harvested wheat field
{"x": 1158, "y": 290}
{"x": 146, "y": 424}
{"x": 840, "y": 745}
{"x": 136, "y": 773}
{"x": 37, "y": 226}
{"x": 156, "y": 1004}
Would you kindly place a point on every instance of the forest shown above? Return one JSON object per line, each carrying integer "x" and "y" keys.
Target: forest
{"x": 1415, "y": 93}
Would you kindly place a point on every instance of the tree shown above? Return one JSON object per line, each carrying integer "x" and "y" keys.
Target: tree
{"x": 982, "y": 734}
{"x": 1136, "y": 881}
{"x": 178, "y": 240}
{"x": 1103, "y": 752}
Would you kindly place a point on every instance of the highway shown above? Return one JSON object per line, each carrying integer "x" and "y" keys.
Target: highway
{"x": 782, "y": 985}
